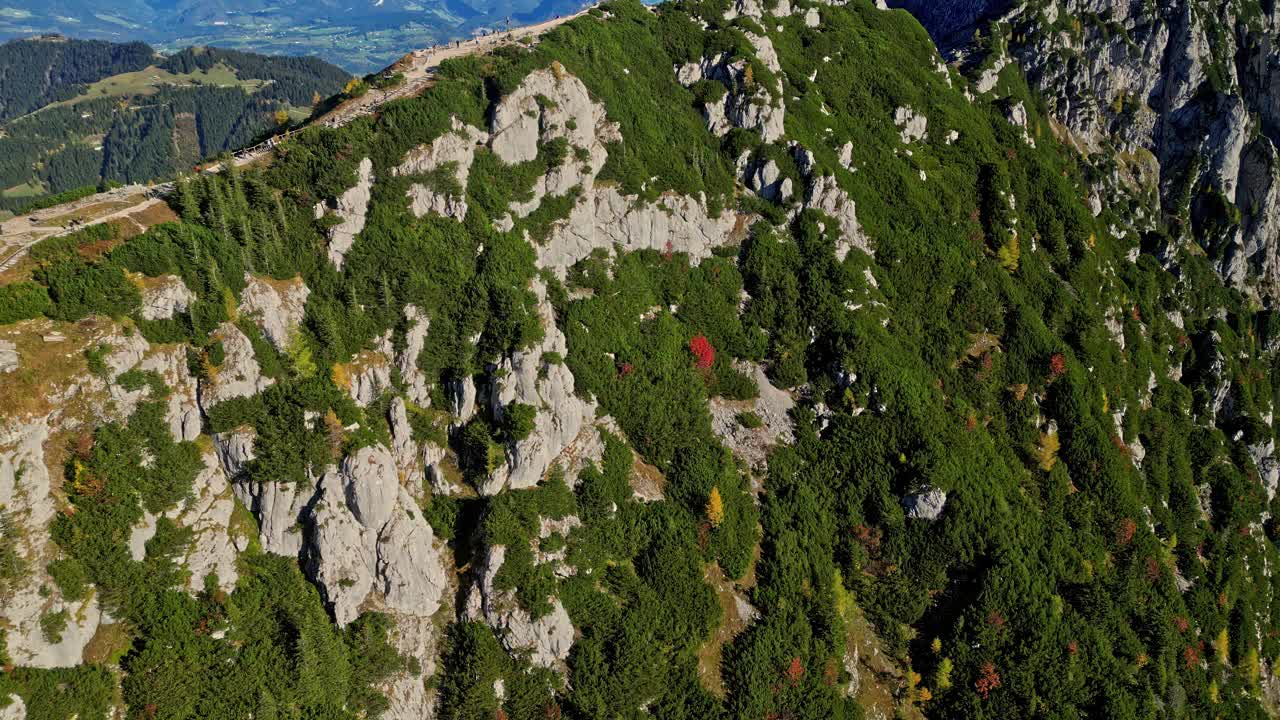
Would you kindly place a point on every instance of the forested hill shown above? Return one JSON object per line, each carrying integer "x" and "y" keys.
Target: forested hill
{"x": 293, "y": 79}
{"x": 711, "y": 360}
{"x": 122, "y": 113}
{"x": 39, "y": 71}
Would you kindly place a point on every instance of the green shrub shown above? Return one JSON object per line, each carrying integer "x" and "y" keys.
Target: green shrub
{"x": 22, "y": 301}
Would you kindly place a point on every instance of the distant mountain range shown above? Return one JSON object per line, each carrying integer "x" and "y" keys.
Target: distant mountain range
{"x": 360, "y": 37}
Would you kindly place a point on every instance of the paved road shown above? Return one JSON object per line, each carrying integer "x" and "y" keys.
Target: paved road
{"x": 18, "y": 234}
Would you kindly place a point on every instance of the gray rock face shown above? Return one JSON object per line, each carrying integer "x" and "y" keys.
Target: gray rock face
{"x": 350, "y": 209}
{"x": 213, "y": 549}
{"x": 413, "y": 636}
{"x": 277, "y": 306}
{"x": 773, "y": 407}
{"x": 547, "y": 639}
{"x": 767, "y": 182}
{"x": 182, "y": 409}
{"x": 605, "y": 218}
{"x": 746, "y": 105}
{"x": 164, "y": 297}
{"x": 548, "y": 105}
{"x": 239, "y": 375}
{"x": 235, "y": 449}
{"x": 524, "y": 377}
{"x": 127, "y": 350}
{"x": 913, "y": 127}
{"x": 462, "y": 399}
{"x": 415, "y": 339}
{"x": 1263, "y": 454}
{"x": 453, "y": 151}
{"x": 280, "y": 508}
{"x": 370, "y": 375}
{"x": 368, "y": 539}
{"x": 15, "y": 710}
{"x": 927, "y": 504}
{"x": 1190, "y": 88}
{"x": 25, "y": 496}
{"x": 825, "y": 194}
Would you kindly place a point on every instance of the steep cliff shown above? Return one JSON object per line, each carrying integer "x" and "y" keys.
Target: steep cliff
{"x": 1177, "y": 99}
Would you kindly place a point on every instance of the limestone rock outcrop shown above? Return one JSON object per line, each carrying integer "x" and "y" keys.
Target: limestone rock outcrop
{"x": 164, "y": 297}
{"x": 548, "y": 105}
{"x": 452, "y": 154}
{"x": 367, "y": 376}
{"x": 277, "y": 306}
{"x": 280, "y": 507}
{"x": 1188, "y": 92}
{"x": 547, "y": 639}
{"x": 772, "y": 407}
{"x": 606, "y": 218}
{"x": 927, "y": 504}
{"x": 368, "y": 537}
{"x": 182, "y": 408}
{"x": 239, "y": 375}
{"x": 25, "y": 485}
{"x": 745, "y": 104}
{"x": 415, "y": 338}
{"x": 349, "y": 209}
{"x": 912, "y": 126}
{"x": 526, "y": 377}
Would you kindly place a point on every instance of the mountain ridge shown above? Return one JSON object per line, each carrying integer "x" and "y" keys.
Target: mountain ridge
{"x": 705, "y": 361}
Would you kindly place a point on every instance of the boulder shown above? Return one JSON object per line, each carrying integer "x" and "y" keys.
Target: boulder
{"x": 9, "y": 360}
{"x": 912, "y": 127}
{"x": 927, "y": 504}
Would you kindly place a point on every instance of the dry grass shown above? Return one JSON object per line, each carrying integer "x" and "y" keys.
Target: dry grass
{"x": 45, "y": 368}
{"x": 647, "y": 480}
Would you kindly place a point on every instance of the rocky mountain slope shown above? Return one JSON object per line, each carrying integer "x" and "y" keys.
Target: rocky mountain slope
{"x": 707, "y": 360}
{"x": 1183, "y": 96}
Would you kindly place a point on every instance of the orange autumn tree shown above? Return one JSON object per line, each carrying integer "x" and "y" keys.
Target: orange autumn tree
{"x": 715, "y": 508}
